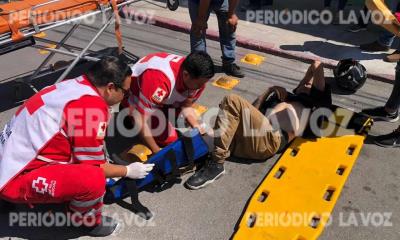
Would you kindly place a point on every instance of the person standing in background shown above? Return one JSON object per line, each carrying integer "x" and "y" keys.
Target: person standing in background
{"x": 385, "y": 39}
{"x": 338, "y": 11}
{"x": 388, "y": 113}
{"x": 227, "y": 22}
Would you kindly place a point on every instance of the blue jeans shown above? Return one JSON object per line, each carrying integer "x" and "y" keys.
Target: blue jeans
{"x": 341, "y": 4}
{"x": 394, "y": 99}
{"x": 386, "y": 38}
{"x": 227, "y": 38}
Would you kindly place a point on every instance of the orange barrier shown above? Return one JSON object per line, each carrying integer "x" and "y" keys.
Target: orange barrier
{"x": 21, "y": 21}
{"x": 15, "y": 16}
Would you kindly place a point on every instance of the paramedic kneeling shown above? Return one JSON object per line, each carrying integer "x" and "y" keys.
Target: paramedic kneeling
{"x": 52, "y": 149}
{"x": 162, "y": 82}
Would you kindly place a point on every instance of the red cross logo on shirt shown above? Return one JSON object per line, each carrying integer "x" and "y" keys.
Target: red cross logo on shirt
{"x": 103, "y": 127}
{"x": 40, "y": 185}
{"x": 34, "y": 103}
{"x": 159, "y": 95}
{"x": 101, "y": 132}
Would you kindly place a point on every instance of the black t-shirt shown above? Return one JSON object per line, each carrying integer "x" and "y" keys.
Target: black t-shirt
{"x": 315, "y": 99}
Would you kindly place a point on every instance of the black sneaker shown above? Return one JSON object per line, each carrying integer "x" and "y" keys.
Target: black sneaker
{"x": 106, "y": 228}
{"x": 208, "y": 174}
{"x": 390, "y": 140}
{"x": 232, "y": 70}
{"x": 380, "y": 114}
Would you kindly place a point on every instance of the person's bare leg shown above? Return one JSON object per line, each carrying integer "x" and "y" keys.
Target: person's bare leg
{"x": 307, "y": 81}
{"x": 318, "y": 76}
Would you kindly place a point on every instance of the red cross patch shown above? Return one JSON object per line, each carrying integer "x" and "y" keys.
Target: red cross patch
{"x": 101, "y": 132}
{"x": 40, "y": 185}
{"x": 159, "y": 95}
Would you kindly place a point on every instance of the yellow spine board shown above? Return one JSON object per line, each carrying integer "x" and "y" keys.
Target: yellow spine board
{"x": 295, "y": 200}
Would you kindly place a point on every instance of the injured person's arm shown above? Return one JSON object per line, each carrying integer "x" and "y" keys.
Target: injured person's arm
{"x": 191, "y": 117}
{"x": 145, "y": 131}
{"x": 277, "y": 92}
{"x": 261, "y": 99}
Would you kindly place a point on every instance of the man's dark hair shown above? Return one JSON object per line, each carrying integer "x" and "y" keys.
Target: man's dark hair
{"x": 109, "y": 70}
{"x": 199, "y": 65}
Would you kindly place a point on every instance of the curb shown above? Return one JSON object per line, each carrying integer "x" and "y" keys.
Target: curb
{"x": 260, "y": 46}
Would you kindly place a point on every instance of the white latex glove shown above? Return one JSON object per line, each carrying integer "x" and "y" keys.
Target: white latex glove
{"x": 138, "y": 170}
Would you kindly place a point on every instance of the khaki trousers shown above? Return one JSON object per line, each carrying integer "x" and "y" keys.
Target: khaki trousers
{"x": 243, "y": 131}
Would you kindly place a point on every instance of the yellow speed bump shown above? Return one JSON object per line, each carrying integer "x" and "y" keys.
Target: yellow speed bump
{"x": 226, "y": 82}
{"x": 44, "y": 52}
{"x": 40, "y": 35}
{"x": 199, "y": 109}
{"x": 252, "y": 59}
{"x": 295, "y": 201}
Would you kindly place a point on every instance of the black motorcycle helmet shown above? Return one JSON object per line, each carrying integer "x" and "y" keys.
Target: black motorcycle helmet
{"x": 350, "y": 75}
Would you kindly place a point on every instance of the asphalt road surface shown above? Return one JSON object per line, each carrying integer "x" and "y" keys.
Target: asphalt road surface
{"x": 212, "y": 213}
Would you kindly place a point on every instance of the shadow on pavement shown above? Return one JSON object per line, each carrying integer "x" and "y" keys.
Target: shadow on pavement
{"x": 16, "y": 90}
{"x": 370, "y": 140}
{"x": 331, "y": 50}
{"x": 335, "y": 33}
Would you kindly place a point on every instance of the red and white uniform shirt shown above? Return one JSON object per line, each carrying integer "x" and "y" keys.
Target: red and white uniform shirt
{"x": 157, "y": 83}
{"x": 63, "y": 123}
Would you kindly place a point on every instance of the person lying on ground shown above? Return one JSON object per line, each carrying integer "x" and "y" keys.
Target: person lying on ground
{"x": 260, "y": 130}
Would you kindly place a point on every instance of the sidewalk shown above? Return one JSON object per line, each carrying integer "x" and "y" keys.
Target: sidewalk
{"x": 306, "y": 42}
